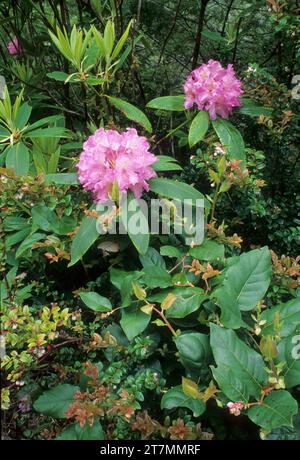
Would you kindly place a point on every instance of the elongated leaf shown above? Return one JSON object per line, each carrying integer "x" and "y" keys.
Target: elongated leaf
{"x": 251, "y": 109}
{"x": 85, "y": 237}
{"x": 131, "y": 112}
{"x": 240, "y": 370}
{"x": 62, "y": 178}
{"x": 276, "y": 410}
{"x": 173, "y": 103}
{"x": 136, "y": 223}
{"x": 49, "y": 132}
{"x": 174, "y": 189}
{"x": 18, "y": 158}
{"x": 23, "y": 115}
{"x": 198, "y": 127}
{"x": 166, "y": 163}
{"x": 121, "y": 42}
{"x": 56, "y": 401}
{"x": 230, "y": 138}
{"x": 58, "y": 76}
{"x": 28, "y": 243}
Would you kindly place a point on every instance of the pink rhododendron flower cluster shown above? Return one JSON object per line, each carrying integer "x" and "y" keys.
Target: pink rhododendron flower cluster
{"x": 235, "y": 407}
{"x": 213, "y": 88}
{"x": 14, "y": 46}
{"x": 110, "y": 157}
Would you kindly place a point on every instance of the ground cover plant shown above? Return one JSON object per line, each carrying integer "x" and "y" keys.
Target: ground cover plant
{"x": 149, "y": 220}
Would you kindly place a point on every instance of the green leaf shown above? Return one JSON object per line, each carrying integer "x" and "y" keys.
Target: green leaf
{"x": 43, "y": 122}
{"x": 95, "y": 301}
{"x": 17, "y": 237}
{"x": 173, "y": 103}
{"x": 166, "y": 163}
{"x": 188, "y": 300}
{"x": 152, "y": 258}
{"x": 230, "y": 138}
{"x": 121, "y": 42}
{"x": 289, "y": 352}
{"x": 62, "y": 179}
{"x": 214, "y": 36}
{"x": 75, "y": 432}
{"x": 285, "y": 433}
{"x": 84, "y": 238}
{"x": 171, "y": 251}
{"x": 23, "y": 115}
{"x": 276, "y": 410}
{"x": 134, "y": 322}
{"x": 240, "y": 371}
{"x": 198, "y": 127}
{"x": 175, "y": 398}
{"x": 251, "y": 109}
{"x": 155, "y": 276}
{"x": 194, "y": 352}
{"x": 289, "y": 314}
{"x": 247, "y": 281}
{"x": 136, "y": 224}
{"x": 123, "y": 281}
{"x": 55, "y": 131}
{"x": 18, "y": 158}
{"x": 208, "y": 251}
{"x": 131, "y": 112}
{"x": 174, "y": 189}
{"x": 58, "y": 76}
{"x": 28, "y": 243}
{"x": 44, "y": 218}
{"x": 56, "y": 401}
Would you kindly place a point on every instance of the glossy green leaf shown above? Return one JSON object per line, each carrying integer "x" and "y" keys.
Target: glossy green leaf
{"x": 95, "y": 301}
{"x": 135, "y": 222}
{"x": 173, "y": 103}
{"x": 289, "y": 316}
{"x": 276, "y": 410}
{"x": 84, "y": 238}
{"x": 174, "y": 189}
{"x": 188, "y": 300}
{"x": 198, "y": 128}
{"x": 134, "y": 321}
{"x": 230, "y": 138}
{"x": 240, "y": 371}
{"x": 131, "y": 112}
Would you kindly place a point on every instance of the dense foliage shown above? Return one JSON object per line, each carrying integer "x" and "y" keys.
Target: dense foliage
{"x": 142, "y": 334}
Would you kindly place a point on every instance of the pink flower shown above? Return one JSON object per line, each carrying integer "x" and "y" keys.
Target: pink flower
{"x": 110, "y": 157}
{"x": 235, "y": 408}
{"x": 14, "y": 46}
{"x": 213, "y": 88}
